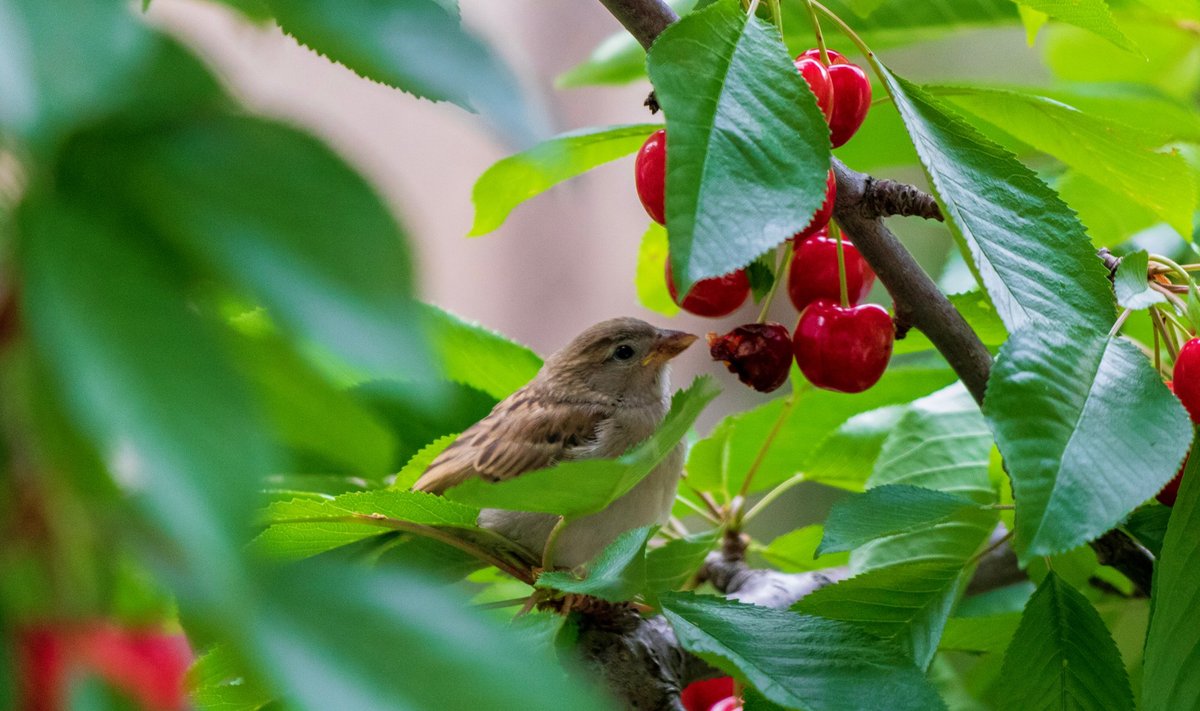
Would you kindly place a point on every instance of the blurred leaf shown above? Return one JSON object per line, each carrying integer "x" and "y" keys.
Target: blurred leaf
{"x": 473, "y": 355}
{"x": 1124, "y": 158}
{"x": 1064, "y": 656}
{"x": 1110, "y": 217}
{"x": 1140, "y": 106}
{"x": 673, "y": 564}
{"x": 1034, "y": 21}
{"x": 616, "y": 574}
{"x": 418, "y": 46}
{"x": 884, "y": 511}
{"x": 619, "y": 59}
{"x": 846, "y": 457}
{"x": 1087, "y": 429}
{"x": 517, "y": 178}
{"x": 420, "y": 461}
{"x": 414, "y": 422}
{"x": 738, "y": 182}
{"x": 1148, "y": 524}
{"x": 651, "y": 272}
{"x": 1173, "y": 64}
{"x": 216, "y": 683}
{"x": 798, "y": 661}
{"x": 881, "y": 143}
{"x": 1172, "y": 668}
{"x": 1131, "y": 284}
{"x": 896, "y": 23}
{"x": 1026, "y": 247}
{"x": 907, "y": 603}
{"x": 582, "y": 487}
{"x": 990, "y": 634}
{"x": 796, "y": 551}
{"x": 1091, "y": 15}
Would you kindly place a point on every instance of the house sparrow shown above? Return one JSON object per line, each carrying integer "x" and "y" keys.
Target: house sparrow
{"x": 604, "y": 392}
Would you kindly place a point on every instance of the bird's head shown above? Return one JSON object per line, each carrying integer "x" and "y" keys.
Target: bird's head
{"x": 624, "y": 358}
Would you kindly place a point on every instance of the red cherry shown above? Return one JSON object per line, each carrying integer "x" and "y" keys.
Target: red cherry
{"x": 701, "y": 695}
{"x": 147, "y": 666}
{"x": 843, "y": 348}
{"x": 834, "y": 57}
{"x": 818, "y": 81}
{"x": 715, "y": 297}
{"x": 1187, "y": 378}
{"x": 851, "y": 100}
{"x": 650, "y": 175}
{"x": 732, "y": 703}
{"x": 42, "y": 660}
{"x": 759, "y": 353}
{"x": 814, "y": 274}
{"x": 1167, "y": 496}
{"x": 820, "y": 220}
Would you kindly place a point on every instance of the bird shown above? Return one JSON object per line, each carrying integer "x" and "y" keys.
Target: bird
{"x": 604, "y": 392}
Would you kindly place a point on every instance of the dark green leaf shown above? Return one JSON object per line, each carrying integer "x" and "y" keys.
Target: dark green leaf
{"x": 799, "y": 661}
{"x": 674, "y": 563}
{"x": 616, "y": 575}
{"x": 651, "y": 272}
{"x": 415, "y": 421}
{"x": 796, "y": 551}
{"x": 1063, "y": 657}
{"x": 1172, "y": 668}
{"x": 517, "y": 178}
{"x": 1026, "y": 247}
{"x": 582, "y": 487}
{"x": 1148, "y": 524}
{"x": 907, "y": 603}
{"x": 738, "y": 182}
{"x": 473, "y": 355}
{"x": 761, "y": 274}
{"x": 1091, "y": 15}
{"x": 1132, "y": 285}
{"x": 1087, "y": 429}
{"x": 887, "y": 510}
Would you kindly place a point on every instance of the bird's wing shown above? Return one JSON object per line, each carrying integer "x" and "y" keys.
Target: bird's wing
{"x": 523, "y": 433}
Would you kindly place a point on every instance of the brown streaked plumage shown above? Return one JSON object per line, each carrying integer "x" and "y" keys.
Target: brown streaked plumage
{"x": 601, "y": 394}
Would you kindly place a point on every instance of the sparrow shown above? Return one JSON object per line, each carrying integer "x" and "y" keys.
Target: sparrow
{"x": 603, "y": 393}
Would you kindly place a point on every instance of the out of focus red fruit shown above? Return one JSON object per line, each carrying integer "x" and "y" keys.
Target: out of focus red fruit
{"x": 701, "y": 695}
{"x": 650, "y": 175}
{"x": 759, "y": 353}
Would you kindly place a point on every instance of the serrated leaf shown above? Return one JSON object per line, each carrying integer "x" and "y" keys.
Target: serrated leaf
{"x": 1172, "y": 662}
{"x": 1131, "y": 284}
{"x": 798, "y": 661}
{"x": 216, "y": 682}
{"x": 907, "y": 603}
{"x": 1026, "y": 247}
{"x": 1063, "y": 657}
{"x": 470, "y": 354}
{"x": 616, "y": 574}
{"x": 1091, "y": 15}
{"x": 738, "y": 182}
{"x": 418, "y": 46}
{"x": 651, "y": 272}
{"x": 578, "y": 488}
{"x": 675, "y": 562}
{"x": 1148, "y": 524}
{"x": 517, "y": 178}
{"x": 796, "y": 551}
{"x": 419, "y": 462}
{"x": 1087, "y": 429}
{"x": 885, "y": 511}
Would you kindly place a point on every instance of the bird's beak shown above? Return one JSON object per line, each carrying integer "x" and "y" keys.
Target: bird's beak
{"x": 668, "y": 345}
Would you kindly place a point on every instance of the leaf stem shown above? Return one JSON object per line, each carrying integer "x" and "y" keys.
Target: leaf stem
{"x": 771, "y": 495}
{"x": 1161, "y": 326}
{"x": 784, "y": 261}
{"x": 858, "y": 42}
{"x": 702, "y": 512}
{"x": 784, "y": 412}
{"x": 817, "y": 33}
{"x": 777, "y": 14}
{"x": 991, "y": 548}
{"x": 843, "y": 289}
{"x": 551, "y": 541}
{"x": 1116, "y": 327}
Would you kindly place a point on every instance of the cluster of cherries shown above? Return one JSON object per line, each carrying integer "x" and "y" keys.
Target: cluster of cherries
{"x": 838, "y": 344}
{"x": 1185, "y": 383}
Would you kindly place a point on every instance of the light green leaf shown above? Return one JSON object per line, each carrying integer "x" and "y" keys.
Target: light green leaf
{"x": 1124, "y": 158}
{"x": 798, "y": 661}
{"x": 796, "y": 551}
{"x": 619, "y": 59}
{"x": 1063, "y": 657}
{"x": 1173, "y": 64}
{"x": 885, "y": 511}
{"x": 738, "y": 182}
{"x": 1087, "y": 429}
{"x": 846, "y": 457}
{"x": 473, "y": 355}
{"x": 578, "y": 488}
{"x": 651, "y": 272}
{"x": 988, "y": 634}
{"x": 420, "y": 461}
{"x": 1172, "y": 663}
{"x": 979, "y": 314}
{"x": 907, "y": 603}
{"x": 1091, "y": 15}
{"x": 418, "y": 46}
{"x": 674, "y": 563}
{"x": 896, "y": 23}
{"x": 1131, "y": 284}
{"x": 517, "y": 178}
{"x": 216, "y": 682}
{"x": 1027, "y": 248}
{"x": 616, "y": 574}
{"x": 1033, "y": 20}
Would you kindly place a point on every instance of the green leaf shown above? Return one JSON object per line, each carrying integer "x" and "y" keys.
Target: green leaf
{"x": 473, "y": 355}
{"x": 1026, "y": 247}
{"x": 1033, "y": 20}
{"x": 1076, "y": 55}
{"x": 1148, "y": 524}
{"x": 420, "y": 461}
{"x": 578, "y": 488}
{"x": 216, "y": 682}
{"x": 1087, "y": 429}
{"x": 418, "y": 46}
{"x": 252, "y": 198}
{"x": 616, "y": 574}
{"x": 517, "y": 178}
{"x": 1063, "y": 657}
{"x": 907, "y": 603}
{"x": 1124, "y": 158}
{"x": 1172, "y": 663}
{"x": 846, "y": 457}
{"x": 1131, "y": 284}
{"x": 988, "y": 634}
{"x": 1091, "y": 15}
{"x": 884, "y": 511}
{"x": 619, "y": 59}
{"x": 674, "y": 563}
{"x": 738, "y": 182}
{"x": 979, "y": 314}
{"x": 799, "y": 661}
{"x": 651, "y": 272}
{"x": 796, "y": 551}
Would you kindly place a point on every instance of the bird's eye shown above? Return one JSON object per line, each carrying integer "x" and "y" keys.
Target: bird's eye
{"x": 623, "y": 352}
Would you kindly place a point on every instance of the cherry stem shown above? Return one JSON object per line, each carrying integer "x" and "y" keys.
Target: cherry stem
{"x": 784, "y": 413}
{"x": 841, "y": 261}
{"x": 858, "y": 42}
{"x": 1168, "y": 339}
{"x": 984, "y": 553}
{"x": 776, "y": 14}
{"x": 1116, "y": 327}
{"x": 820, "y": 36}
{"x": 771, "y": 495}
{"x": 1157, "y": 347}
{"x": 702, "y": 512}
{"x": 780, "y": 268}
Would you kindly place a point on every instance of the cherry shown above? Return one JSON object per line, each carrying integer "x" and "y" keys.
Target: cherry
{"x": 817, "y": 77}
{"x": 834, "y": 56}
{"x": 820, "y": 219}
{"x": 759, "y": 353}
{"x": 715, "y": 297}
{"x": 843, "y": 348}
{"x": 814, "y": 272}
{"x": 650, "y": 175}
{"x": 1190, "y": 370}
{"x": 851, "y": 100}
{"x": 701, "y": 695}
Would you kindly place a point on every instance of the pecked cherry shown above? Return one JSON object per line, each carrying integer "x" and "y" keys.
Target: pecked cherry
{"x": 817, "y": 77}
{"x": 843, "y": 348}
{"x": 650, "y": 175}
{"x": 715, "y": 297}
{"x": 820, "y": 220}
{"x": 760, "y": 354}
{"x": 813, "y": 273}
